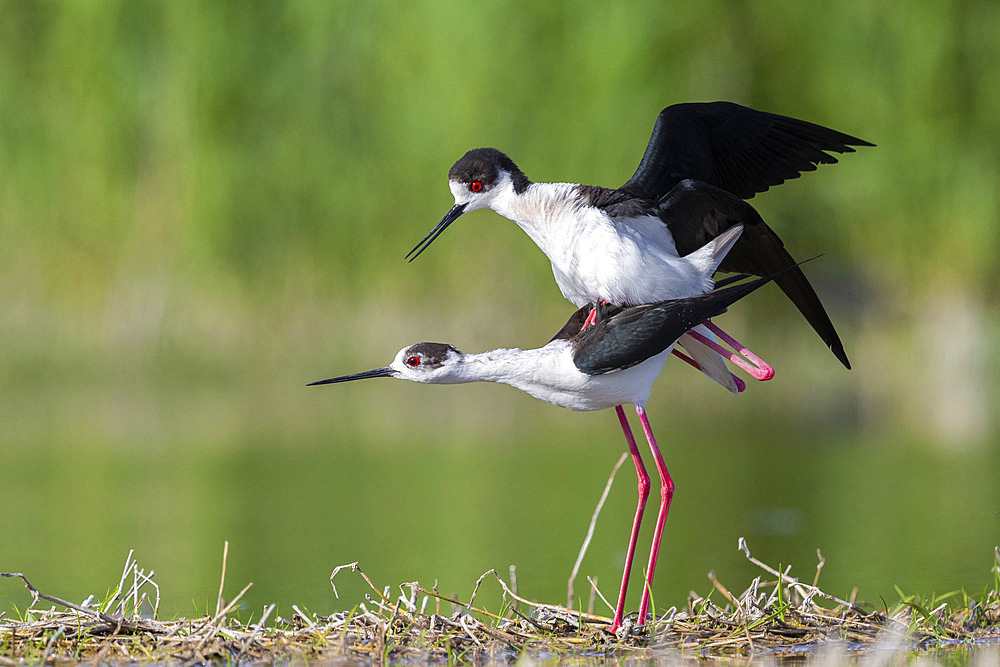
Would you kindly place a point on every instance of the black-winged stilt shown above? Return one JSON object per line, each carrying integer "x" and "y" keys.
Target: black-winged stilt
{"x": 612, "y": 362}
{"x": 622, "y": 245}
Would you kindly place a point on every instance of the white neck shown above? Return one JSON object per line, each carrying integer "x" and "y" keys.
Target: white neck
{"x": 516, "y": 367}
{"x": 549, "y": 374}
{"x": 547, "y": 212}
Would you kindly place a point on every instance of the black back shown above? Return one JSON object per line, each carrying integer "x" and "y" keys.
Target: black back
{"x": 616, "y": 203}
{"x": 624, "y": 337}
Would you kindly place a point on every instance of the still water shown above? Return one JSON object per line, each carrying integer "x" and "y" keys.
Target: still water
{"x": 441, "y": 484}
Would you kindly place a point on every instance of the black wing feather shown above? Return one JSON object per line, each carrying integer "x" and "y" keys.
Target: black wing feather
{"x": 639, "y": 332}
{"x": 697, "y": 212}
{"x": 736, "y": 148}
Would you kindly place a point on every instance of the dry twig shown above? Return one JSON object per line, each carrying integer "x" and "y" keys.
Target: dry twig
{"x": 780, "y": 614}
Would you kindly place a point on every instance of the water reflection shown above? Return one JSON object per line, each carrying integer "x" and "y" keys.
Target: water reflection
{"x": 409, "y": 508}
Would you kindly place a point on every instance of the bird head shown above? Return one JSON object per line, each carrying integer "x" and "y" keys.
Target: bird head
{"x": 476, "y": 181}
{"x": 430, "y": 363}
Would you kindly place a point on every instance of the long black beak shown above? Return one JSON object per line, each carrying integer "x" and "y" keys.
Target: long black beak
{"x": 453, "y": 214}
{"x": 377, "y": 373}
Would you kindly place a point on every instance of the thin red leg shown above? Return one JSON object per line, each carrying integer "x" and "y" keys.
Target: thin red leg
{"x": 666, "y": 493}
{"x": 683, "y": 357}
{"x": 640, "y": 471}
{"x": 753, "y": 364}
{"x": 591, "y": 318}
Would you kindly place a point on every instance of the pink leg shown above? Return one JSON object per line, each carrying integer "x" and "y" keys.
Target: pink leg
{"x": 666, "y": 493}
{"x": 640, "y": 470}
{"x": 591, "y": 318}
{"x": 754, "y": 365}
{"x": 683, "y": 357}
{"x": 740, "y": 384}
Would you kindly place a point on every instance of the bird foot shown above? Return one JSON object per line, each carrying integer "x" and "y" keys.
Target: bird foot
{"x": 592, "y": 317}
{"x": 743, "y": 357}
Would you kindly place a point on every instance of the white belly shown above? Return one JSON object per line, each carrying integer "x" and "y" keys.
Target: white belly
{"x": 625, "y": 266}
{"x": 552, "y": 377}
{"x": 625, "y": 262}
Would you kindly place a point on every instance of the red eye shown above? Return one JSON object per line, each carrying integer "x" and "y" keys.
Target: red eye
{"x": 476, "y": 186}
{"x": 413, "y": 361}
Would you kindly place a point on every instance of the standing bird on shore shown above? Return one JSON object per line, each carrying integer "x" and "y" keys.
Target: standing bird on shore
{"x": 612, "y": 362}
{"x": 621, "y": 245}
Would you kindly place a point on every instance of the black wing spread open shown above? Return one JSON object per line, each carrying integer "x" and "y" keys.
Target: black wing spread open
{"x": 736, "y": 148}
{"x": 637, "y": 333}
{"x": 697, "y": 212}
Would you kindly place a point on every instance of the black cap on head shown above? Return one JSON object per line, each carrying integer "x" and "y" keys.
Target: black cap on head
{"x": 484, "y": 164}
{"x": 434, "y": 354}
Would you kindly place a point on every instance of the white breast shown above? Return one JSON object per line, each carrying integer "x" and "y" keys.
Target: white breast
{"x": 625, "y": 262}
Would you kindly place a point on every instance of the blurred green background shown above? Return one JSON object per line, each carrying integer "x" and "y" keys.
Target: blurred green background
{"x": 205, "y": 205}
